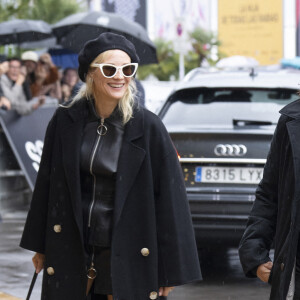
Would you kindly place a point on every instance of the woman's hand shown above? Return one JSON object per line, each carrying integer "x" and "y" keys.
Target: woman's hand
{"x": 38, "y": 262}
{"x": 4, "y": 67}
{"x": 40, "y": 102}
{"x": 264, "y": 270}
{"x": 20, "y": 79}
{"x": 5, "y": 102}
{"x": 164, "y": 291}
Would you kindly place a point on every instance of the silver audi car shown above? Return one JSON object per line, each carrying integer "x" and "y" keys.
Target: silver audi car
{"x": 222, "y": 124}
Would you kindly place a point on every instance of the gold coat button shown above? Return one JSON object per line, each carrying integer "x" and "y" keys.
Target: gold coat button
{"x": 57, "y": 228}
{"x": 145, "y": 252}
{"x": 153, "y": 295}
{"x": 282, "y": 266}
{"x": 50, "y": 271}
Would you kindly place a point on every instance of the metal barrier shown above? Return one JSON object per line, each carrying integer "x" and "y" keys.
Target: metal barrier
{"x": 21, "y": 142}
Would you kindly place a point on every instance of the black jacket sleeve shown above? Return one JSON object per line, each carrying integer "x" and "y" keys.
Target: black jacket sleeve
{"x": 34, "y": 233}
{"x": 259, "y": 234}
{"x": 176, "y": 239}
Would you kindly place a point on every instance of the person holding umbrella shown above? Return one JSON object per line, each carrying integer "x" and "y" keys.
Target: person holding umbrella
{"x": 109, "y": 217}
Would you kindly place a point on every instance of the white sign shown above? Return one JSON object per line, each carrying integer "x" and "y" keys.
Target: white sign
{"x": 195, "y": 12}
{"x": 180, "y": 41}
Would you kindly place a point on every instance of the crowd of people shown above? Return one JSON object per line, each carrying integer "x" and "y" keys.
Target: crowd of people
{"x": 26, "y": 82}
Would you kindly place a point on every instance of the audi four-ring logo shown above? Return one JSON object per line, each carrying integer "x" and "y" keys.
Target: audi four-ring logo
{"x": 230, "y": 150}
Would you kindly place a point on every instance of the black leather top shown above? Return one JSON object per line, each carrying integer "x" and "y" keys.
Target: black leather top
{"x": 99, "y": 155}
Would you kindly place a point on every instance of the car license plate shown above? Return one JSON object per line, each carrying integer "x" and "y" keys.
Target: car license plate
{"x": 229, "y": 175}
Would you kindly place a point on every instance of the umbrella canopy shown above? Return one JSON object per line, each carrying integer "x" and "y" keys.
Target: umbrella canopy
{"x": 18, "y": 31}
{"x": 73, "y": 31}
{"x": 46, "y": 43}
{"x": 237, "y": 61}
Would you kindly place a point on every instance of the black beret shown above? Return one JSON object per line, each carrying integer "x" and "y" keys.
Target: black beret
{"x": 105, "y": 41}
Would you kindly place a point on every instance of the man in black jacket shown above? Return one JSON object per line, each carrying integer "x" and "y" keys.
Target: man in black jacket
{"x": 274, "y": 218}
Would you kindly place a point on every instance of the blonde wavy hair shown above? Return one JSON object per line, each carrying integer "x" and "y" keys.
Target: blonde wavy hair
{"x": 87, "y": 91}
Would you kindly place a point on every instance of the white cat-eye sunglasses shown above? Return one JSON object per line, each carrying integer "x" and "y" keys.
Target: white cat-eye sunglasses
{"x": 110, "y": 71}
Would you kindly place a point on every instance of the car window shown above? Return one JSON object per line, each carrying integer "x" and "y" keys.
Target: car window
{"x": 219, "y": 107}
{"x": 207, "y": 95}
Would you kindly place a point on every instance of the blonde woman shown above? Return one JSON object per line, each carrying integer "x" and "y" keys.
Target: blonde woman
{"x": 109, "y": 218}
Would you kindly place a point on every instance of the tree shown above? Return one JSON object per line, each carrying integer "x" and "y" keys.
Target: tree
{"x": 167, "y": 66}
{"x": 11, "y": 8}
{"x": 50, "y": 11}
{"x": 203, "y": 46}
{"x": 203, "y": 43}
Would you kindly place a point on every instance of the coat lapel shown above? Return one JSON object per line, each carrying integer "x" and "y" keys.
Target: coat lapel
{"x": 71, "y": 136}
{"x": 130, "y": 160}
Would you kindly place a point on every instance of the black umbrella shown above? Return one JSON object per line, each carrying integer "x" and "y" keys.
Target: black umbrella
{"x": 19, "y": 31}
{"x": 73, "y": 31}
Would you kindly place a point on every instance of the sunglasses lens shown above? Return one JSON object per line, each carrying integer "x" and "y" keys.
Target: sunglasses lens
{"x": 129, "y": 70}
{"x": 109, "y": 71}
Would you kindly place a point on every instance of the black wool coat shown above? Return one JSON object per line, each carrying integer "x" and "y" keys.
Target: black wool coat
{"x": 275, "y": 216}
{"x": 151, "y": 211}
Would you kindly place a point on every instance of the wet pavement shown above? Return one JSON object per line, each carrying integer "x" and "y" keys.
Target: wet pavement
{"x": 223, "y": 277}
{"x": 15, "y": 263}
